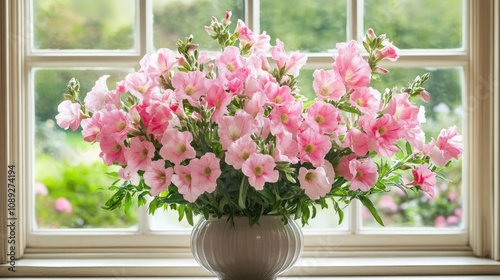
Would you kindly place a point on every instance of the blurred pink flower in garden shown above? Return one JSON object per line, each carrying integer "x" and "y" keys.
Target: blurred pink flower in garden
{"x": 63, "y": 205}
{"x": 452, "y": 220}
{"x": 440, "y": 222}
{"x": 41, "y": 189}
{"x": 387, "y": 202}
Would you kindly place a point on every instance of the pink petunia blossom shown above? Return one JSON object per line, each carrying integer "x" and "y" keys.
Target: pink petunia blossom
{"x": 70, "y": 115}
{"x": 383, "y": 133}
{"x": 255, "y": 106}
{"x": 387, "y": 202}
{"x": 425, "y": 178}
{"x": 161, "y": 62}
{"x": 327, "y": 86}
{"x": 367, "y": 100}
{"x": 314, "y": 182}
{"x": 389, "y": 51}
{"x": 231, "y": 128}
{"x": 229, "y": 61}
{"x": 128, "y": 175}
{"x": 205, "y": 171}
{"x": 313, "y": 147}
{"x": 157, "y": 177}
{"x": 259, "y": 169}
{"x": 91, "y": 127}
{"x": 177, "y": 145}
{"x": 156, "y": 117}
{"x": 350, "y": 66}
{"x": 330, "y": 172}
{"x": 189, "y": 86}
{"x": 364, "y": 174}
{"x": 342, "y": 168}
{"x": 440, "y": 222}
{"x": 139, "y": 84}
{"x": 277, "y": 94}
{"x": 450, "y": 142}
{"x": 95, "y": 98}
{"x": 239, "y": 151}
{"x": 286, "y": 117}
{"x": 217, "y": 98}
{"x": 357, "y": 141}
{"x": 182, "y": 178}
{"x": 250, "y": 41}
{"x": 323, "y": 117}
{"x": 292, "y": 63}
{"x": 287, "y": 148}
{"x": 112, "y": 150}
{"x": 139, "y": 154}
{"x": 62, "y": 204}
{"x": 114, "y": 124}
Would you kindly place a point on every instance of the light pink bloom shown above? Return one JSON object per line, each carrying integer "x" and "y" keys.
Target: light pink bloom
{"x": 342, "y": 168}
{"x": 313, "y": 147}
{"x": 156, "y": 117}
{"x": 229, "y": 61}
{"x": 452, "y": 220}
{"x": 367, "y": 100}
{"x": 239, "y": 151}
{"x": 277, "y": 94}
{"x": 371, "y": 33}
{"x": 389, "y": 51}
{"x": 425, "y": 178}
{"x": 139, "y": 84}
{"x": 259, "y": 169}
{"x": 189, "y": 86}
{"x": 323, "y": 117}
{"x": 95, "y": 98}
{"x": 402, "y": 109}
{"x": 177, "y": 145}
{"x": 450, "y": 142}
{"x": 70, "y": 115}
{"x": 112, "y": 150}
{"x": 286, "y": 117}
{"x": 424, "y": 96}
{"x": 161, "y": 62}
{"x": 327, "y": 86}
{"x": 350, "y": 66}
{"x": 383, "y": 133}
{"x": 261, "y": 44}
{"x": 364, "y": 174}
{"x": 357, "y": 141}
{"x": 182, "y": 178}
{"x": 292, "y": 64}
{"x": 231, "y": 128}
{"x": 62, "y": 204}
{"x": 330, "y": 172}
{"x": 139, "y": 154}
{"x": 287, "y": 148}
{"x": 440, "y": 221}
{"x": 387, "y": 202}
{"x": 217, "y": 98}
{"x": 314, "y": 182}
{"x": 91, "y": 127}
{"x": 244, "y": 33}
{"x": 128, "y": 175}
{"x": 114, "y": 123}
{"x": 255, "y": 106}
{"x": 41, "y": 189}
{"x": 205, "y": 171}
{"x": 157, "y": 177}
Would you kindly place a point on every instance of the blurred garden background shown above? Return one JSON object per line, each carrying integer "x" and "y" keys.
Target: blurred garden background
{"x": 70, "y": 179}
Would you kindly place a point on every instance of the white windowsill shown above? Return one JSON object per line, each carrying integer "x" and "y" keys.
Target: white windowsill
{"x": 312, "y": 267}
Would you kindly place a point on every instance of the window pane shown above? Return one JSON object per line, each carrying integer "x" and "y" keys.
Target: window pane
{"x": 425, "y": 24}
{"x": 444, "y": 109}
{"x": 90, "y": 24}
{"x": 68, "y": 171}
{"x": 177, "y": 19}
{"x": 309, "y": 26}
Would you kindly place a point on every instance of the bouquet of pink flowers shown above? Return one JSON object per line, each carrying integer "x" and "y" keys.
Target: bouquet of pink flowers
{"x": 232, "y": 135}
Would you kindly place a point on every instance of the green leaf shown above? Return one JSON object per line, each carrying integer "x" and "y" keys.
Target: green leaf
{"x": 189, "y": 214}
{"x": 128, "y": 202}
{"x": 369, "y": 205}
{"x": 181, "y": 209}
{"x": 409, "y": 148}
{"x": 243, "y": 193}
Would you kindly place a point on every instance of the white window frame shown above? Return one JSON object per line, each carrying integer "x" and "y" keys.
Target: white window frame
{"x": 480, "y": 55}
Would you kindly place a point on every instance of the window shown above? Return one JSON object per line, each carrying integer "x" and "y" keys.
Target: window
{"x": 144, "y": 25}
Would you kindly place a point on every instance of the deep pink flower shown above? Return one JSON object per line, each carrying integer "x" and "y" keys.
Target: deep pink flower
{"x": 314, "y": 182}
{"x": 189, "y": 86}
{"x": 231, "y": 128}
{"x": 259, "y": 169}
{"x": 95, "y": 98}
{"x": 323, "y": 117}
{"x": 367, "y": 100}
{"x": 425, "y": 178}
{"x": 156, "y": 117}
{"x": 205, "y": 171}
{"x": 182, "y": 178}
{"x": 327, "y": 86}
{"x": 112, "y": 150}
{"x": 62, "y": 204}
{"x": 389, "y": 51}
{"x": 70, "y": 115}
{"x": 139, "y": 154}
{"x": 239, "y": 151}
{"x": 364, "y": 174}
{"x": 177, "y": 145}
{"x": 286, "y": 117}
{"x": 313, "y": 147}
{"x": 157, "y": 177}
{"x": 350, "y": 66}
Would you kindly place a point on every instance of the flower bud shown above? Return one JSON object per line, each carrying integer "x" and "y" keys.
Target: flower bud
{"x": 210, "y": 31}
{"x": 381, "y": 70}
{"x": 424, "y": 96}
{"x": 389, "y": 51}
{"x": 371, "y": 34}
{"x": 227, "y": 19}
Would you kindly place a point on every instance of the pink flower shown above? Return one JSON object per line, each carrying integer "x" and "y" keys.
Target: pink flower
{"x": 327, "y": 86}
{"x": 161, "y": 62}
{"x": 357, "y": 141}
{"x": 255, "y": 106}
{"x": 91, "y": 128}
{"x": 95, "y": 98}
{"x": 128, "y": 175}
{"x": 364, "y": 174}
{"x": 287, "y": 148}
{"x": 367, "y": 100}
{"x": 244, "y": 33}
{"x": 313, "y": 147}
{"x": 182, "y": 178}
{"x": 314, "y": 182}
{"x": 425, "y": 178}
{"x": 424, "y": 96}
{"x": 383, "y": 134}
{"x": 240, "y": 150}
{"x": 231, "y": 128}
{"x": 63, "y": 205}
{"x": 205, "y": 171}
{"x": 387, "y": 202}
{"x": 177, "y": 145}
{"x": 139, "y": 84}
{"x": 440, "y": 221}
{"x": 139, "y": 154}
{"x": 350, "y": 66}
{"x": 259, "y": 169}
{"x": 450, "y": 142}
{"x": 229, "y": 61}
{"x": 114, "y": 124}
{"x": 342, "y": 168}
{"x": 323, "y": 117}
{"x": 286, "y": 117}
{"x": 112, "y": 149}
{"x": 189, "y": 86}
{"x": 291, "y": 64}
{"x": 41, "y": 189}
{"x": 389, "y": 51}
{"x": 277, "y": 94}
{"x": 156, "y": 117}
{"x": 69, "y": 115}
{"x": 217, "y": 98}
{"x": 157, "y": 177}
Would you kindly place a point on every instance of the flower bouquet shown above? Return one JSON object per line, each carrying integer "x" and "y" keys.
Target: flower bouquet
{"x": 229, "y": 134}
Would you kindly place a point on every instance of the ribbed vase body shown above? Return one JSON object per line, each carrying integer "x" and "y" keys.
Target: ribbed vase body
{"x": 244, "y": 252}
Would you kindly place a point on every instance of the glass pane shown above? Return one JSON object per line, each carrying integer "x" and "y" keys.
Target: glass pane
{"x": 69, "y": 174}
{"x": 177, "y": 19}
{"x": 90, "y": 24}
{"x": 308, "y": 26}
{"x": 444, "y": 109}
{"x": 168, "y": 220}
{"x": 424, "y": 24}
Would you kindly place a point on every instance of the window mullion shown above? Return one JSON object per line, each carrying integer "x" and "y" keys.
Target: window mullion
{"x": 252, "y": 15}
{"x": 352, "y": 15}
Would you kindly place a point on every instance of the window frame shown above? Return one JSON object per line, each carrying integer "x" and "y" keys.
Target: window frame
{"x": 483, "y": 198}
